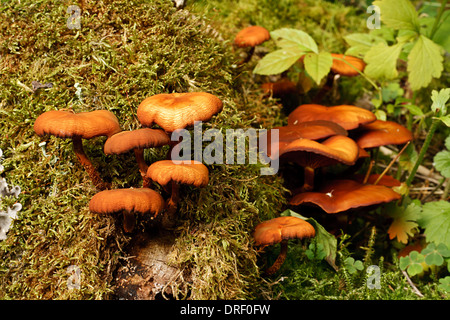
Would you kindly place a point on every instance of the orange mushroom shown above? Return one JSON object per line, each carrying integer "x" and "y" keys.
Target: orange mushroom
{"x": 137, "y": 140}
{"x": 381, "y": 133}
{"x": 347, "y": 116}
{"x": 312, "y": 154}
{"x": 174, "y": 173}
{"x": 280, "y": 230}
{"x": 349, "y": 67}
{"x": 84, "y": 125}
{"x": 251, "y": 37}
{"x": 172, "y": 111}
{"x": 279, "y": 88}
{"x": 129, "y": 202}
{"x": 342, "y": 195}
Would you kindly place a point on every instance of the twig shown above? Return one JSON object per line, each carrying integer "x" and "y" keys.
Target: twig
{"x": 414, "y": 288}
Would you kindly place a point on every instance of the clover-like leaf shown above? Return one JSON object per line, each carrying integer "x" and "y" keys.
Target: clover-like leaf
{"x": 412, "y": 263}
{"x": 353, "y": 265}
{"x": 444, "y": 284}
{"x": 434, "y": 255}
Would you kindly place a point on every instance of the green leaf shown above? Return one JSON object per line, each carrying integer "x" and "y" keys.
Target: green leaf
{"x": 353, "y": 265}
{"x": 442, "y": 163}
{"x": 277, "y": 61}
{"x": 316, "y": 252}
{"x": 404, "y": 220}
{"x": 444, "y": 284}
{"x": 287, "y": 38}
{"x": 425, "y": 62}
{"x": 382, "y": 61}
{"x": 360, "y": 43}
{"x": 318, "y": 65}
{"x": 445, "y": 119}
{"x": 323, "y": 238}
{"x": 434, "y": 255}
{"x": 447, "y": 142}
{"x": 435, "y": 219}
{"x": 440, "y": 99}
{"x": 412, "y": 263}
{"x": 398, "y": 14}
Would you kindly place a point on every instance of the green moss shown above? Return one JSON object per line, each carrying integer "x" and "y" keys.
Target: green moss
{"x": 125, "y": 51}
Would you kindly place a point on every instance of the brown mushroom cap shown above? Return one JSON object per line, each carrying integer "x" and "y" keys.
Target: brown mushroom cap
{"x": 87, "y": 125}
{"x": 347, "y": 116}
{"x": 279, "y": 88}
{"x": 313, "y": 130}
{"x": 314, "y": 154}
{"x": 343, "y": 68}
{"x": 137, "y": 139}
{"x": 129, "y": 202}
{"x": 342, "y": 195}
{"x": 282, "y": 228}
{"x": 381, "y": 133}
{"x": 251, "y": 36}
{"x": 184, "y": 172}
{"x": 141, "y": 200}
{"x": 172, "y": 111}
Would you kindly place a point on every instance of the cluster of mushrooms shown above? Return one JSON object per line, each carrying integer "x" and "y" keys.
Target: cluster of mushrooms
{"x": 318, "y": 137}
{"x": 170, "y": 112}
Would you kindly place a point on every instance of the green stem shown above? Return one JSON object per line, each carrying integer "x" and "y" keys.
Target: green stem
{"x": 423, "y": 151}
{"x": 438, "y": 18}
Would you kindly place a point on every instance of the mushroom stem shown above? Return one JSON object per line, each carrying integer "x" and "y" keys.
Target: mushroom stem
{"x": 87, "y": 164}
{"x": 171, "y": 206}
{"x": 280, "y": 259}
{"x": 139, "y": 154}
{"x": 129, "y": 220}
{"x": 308, "y": 184}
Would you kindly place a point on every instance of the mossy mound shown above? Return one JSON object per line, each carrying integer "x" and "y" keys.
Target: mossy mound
{"x": 124, "y": 52}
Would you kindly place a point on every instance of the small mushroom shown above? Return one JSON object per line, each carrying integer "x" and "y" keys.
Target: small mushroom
{"x": 312, "y": 154}
{"x": 137, "y": 140}
{"x": 172, "y": 111}
{"x": 280, "y": 230}
{"x": 342, "y": 195}
{"x": 129, "y": 202}
{"x": 78, "y": 126}
{"x": 174, "y": 173}
{"x": 250, "y": 37}
{"x": 279, "y": 88}
{"x": 347, "y": 116}
{"x": 347, "y": 65}
{"x": 381, "y": 133}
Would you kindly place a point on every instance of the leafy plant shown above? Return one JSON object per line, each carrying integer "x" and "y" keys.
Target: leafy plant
{"x": 293, "y": 44}
{"x": 315, "y": 252}
{"x": 442, "y": 160}
{"x": 435, "y": 219}
{"x": 402, "y": 37}
{"x": 353, "y": 265}
{"x": 412, "y": 263}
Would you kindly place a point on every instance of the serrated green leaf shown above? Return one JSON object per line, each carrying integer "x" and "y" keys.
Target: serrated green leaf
{"x": 447, "y": 143}
{"x": 318, "y": 65}
{"x": 327, "y": 240}
{"x": 398, "y": 14}
{"x": 425, "y": 62}
{"x": 404, "y": 221}
{"x": 277, "y": 61}
{"x": 440, "y": 99}
{"x": 360, "y": 43}
{"x": 435, "y": 219}
{"x": 445, "y": 120}
{"x": 382, "y": 61}
{"x": 442, "y": 163}
{"x": 288, "y": 38}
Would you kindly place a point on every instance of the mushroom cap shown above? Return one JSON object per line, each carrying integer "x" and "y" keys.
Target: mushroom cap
{"x": 185, "y": 172}
{"x": 279, "y": 88}
{"x": 314, "y": 154}
{"x": 282, "y": 228}
{"x": 87, "y": 125}
{"x": 381, "y": 133}
{"x": 313, "y": 130}
{"x": 137, "y": 139}
{"x": 342, "y": 195}
{"x": 347, "y": 116}
{"x": 251, "y": 36}
{"x": 385, "y": 180}
{"x": 142, "y": 200}
{"x": 172, "y": 111}
{"x": 343, "y": 68}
